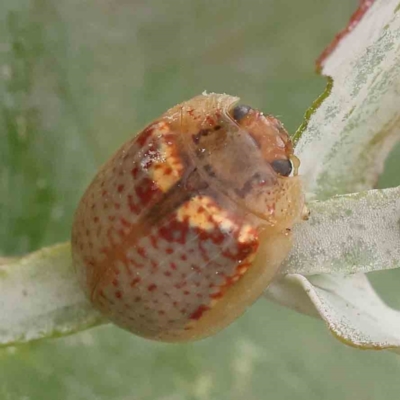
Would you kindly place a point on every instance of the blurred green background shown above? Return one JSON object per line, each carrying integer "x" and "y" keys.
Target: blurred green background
{"x": 78, "y": 78}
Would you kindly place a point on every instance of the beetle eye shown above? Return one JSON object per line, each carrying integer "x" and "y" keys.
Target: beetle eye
{"x": 240, "y": 111}
{"x": 282, "y": 167}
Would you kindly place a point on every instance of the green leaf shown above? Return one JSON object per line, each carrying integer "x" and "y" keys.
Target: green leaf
{"x": 348, "y": 138}
{"x": 343, "y": 150}
{"x": 352, "y": 310}
{"x": 358, "y": 232}
{"x": 40, "y": 297}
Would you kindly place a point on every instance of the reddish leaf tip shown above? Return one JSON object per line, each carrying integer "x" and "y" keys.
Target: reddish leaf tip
{"x": 353, "y": 22}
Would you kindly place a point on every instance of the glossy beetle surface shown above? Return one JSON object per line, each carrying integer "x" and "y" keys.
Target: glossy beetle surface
{"x": 186, "y": 225}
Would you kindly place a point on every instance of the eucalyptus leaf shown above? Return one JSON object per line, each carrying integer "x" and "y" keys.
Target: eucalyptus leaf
{"x": 349, "y": 136}
{"x": 358, "y": 232}
{"x": 343, "y": 149}
{"x": 352, "y": 310}
{"x": 40, "y": 297}
{"x": 348, "y": 304}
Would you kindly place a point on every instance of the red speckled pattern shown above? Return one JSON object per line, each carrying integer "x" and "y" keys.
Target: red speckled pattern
{"x": 160, "y": 278}
{"x": 116, "y": 200}
{"x": 164, "y": 236}
{"x": 179, "y": 270}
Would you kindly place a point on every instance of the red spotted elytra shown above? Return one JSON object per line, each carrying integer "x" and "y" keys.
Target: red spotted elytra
{"x": 187, "y": 224}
